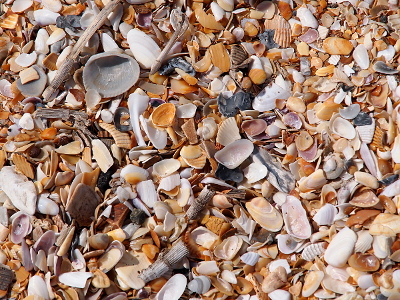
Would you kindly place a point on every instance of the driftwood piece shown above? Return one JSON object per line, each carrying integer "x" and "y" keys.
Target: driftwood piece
{"x": 65, "y": 68}
{"x": 199, "y": 203}
{"x": 283, "y": 180}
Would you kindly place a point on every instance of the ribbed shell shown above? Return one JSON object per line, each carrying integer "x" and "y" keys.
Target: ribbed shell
{"x": 364, "y": 241}
{"x": 394, "y": 22}
{"x": 312, "y": 251}
{"x": 238, "y": 55}
{"x": 6, "y": 276}
{"x": 377, "y": 140}
{"x": 228, "y": 132}
{"x": 283, "y": 32}
{"x": 366, "y": 132}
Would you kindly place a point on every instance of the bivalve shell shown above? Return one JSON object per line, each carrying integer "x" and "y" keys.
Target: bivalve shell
{"x": 228, "y": 132}
{"x": 235, "y": 153}
{"x": 265, "y": 214}
{"x": 343, "y": 128}
{"x": 341, "y": 247}
{"x": 200, "y": 285}
{"x": 144, "y": 48}
{"x": 364, "y": 241}
{"x": 228, "y": 248}
{"x": 295, "y": 217}
{"x": 250, "y": 258}
{"x": 311, "y": 282}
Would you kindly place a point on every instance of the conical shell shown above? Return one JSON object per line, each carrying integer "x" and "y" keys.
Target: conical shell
{"x": 265, "y": 214}
{"x": 366, "y": 132}
{"x": 341, "y": 247}
{"x": 228, "y": 132}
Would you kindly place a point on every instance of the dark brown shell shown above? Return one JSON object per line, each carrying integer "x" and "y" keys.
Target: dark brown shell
{"x": 238, "y": 55}
{"x": 6, "y": 276}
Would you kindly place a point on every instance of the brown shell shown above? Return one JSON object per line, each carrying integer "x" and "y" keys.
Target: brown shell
{"x": 364, "y": 262}
{"x": 50, "y": 61}
{"x": 377, "y": 140}
{"x": 283, "y": 32}
{"x": 364, "y": 197}
{"x": 238, "y": 55}
{"x": 122, "y": 139}
{"x": 9, "y": 22}
{"x": 220, "y": 57}
{"x": 23, "y": 165}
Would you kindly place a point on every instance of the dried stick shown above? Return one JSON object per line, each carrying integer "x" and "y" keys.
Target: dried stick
{"x": 64, "y": 70}
{"x": 199, "y": 203}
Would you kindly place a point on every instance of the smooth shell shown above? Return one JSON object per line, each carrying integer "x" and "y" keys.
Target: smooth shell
{"x": 235, "y": 153}
{"x": 265, "y": 214}
{"x": 295, "y": 217}
{"x": 341, "y": 247}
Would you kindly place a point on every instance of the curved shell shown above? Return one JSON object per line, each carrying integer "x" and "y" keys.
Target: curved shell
{"x": 228, "y": 248}
{"x": 311, "y": 282}
{"x": 164, "y": 115}
{"x": 287, "y": 244}
{"x": 228, "y": 132}
{"x": 254, "y": 127}
{"x": 250, "y": 258}
{"x": 343, "y": 128}
{"x": 200, "y": 285}
{"x": 341, "y": 247}
{"x": 265, "y": 214}
{"x": 255, "y": 172}
{"x": 366, "y": 132}
{"x": 111, "y": 257}
{"x": 235, "y": 153}
{"x": 325, "y": 215}
{"x": 350, "y": 112}
{"x": 35, "y": 87}
{"x": 166, "y": 167}
{"x": 21, "y": 226}
{"x": 173, "y": 289}
{"x": 144, "y": 48}
{"x": 364, "y": 197}
{"x": 134, "y": 174}
{"x": 295, "y": 217}
{"x": 110, "y": 74}
{"x": 312, "y": 251}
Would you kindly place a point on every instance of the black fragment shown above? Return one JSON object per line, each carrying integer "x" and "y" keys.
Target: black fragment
{"x": 69, "y": 21}
{"x": 226, "y": 174}
{"x": 138, "y": 216}
{"x": 103, "y": 182}
{"x": 389, "y": 180}
{"x": 229, "y": 107}
{"x": 362, "y": 119}
{"x": 177, "y": 62}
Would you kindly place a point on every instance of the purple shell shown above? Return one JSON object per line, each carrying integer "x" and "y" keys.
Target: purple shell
{"x": 45, "y": 242}
{"x": 309, "y": 154}
{"x": 26, "y": 256}
{"x": 293, "y": 120}
{"x": 310, "y": 36}
{"x": 33, "y": 100}
{"x": 21, "y": 226}
{"x": 144, "y": 20}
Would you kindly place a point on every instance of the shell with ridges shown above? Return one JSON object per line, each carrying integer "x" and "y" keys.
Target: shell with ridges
{"x": 312, "y": 251}
{"x": 341, "y": 247}
{"x": 364, "y": 241}
{"x": 228, "y": 132}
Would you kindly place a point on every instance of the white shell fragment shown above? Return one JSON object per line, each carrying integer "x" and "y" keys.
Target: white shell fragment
{"x": 102, "y": 155}
{"x": 144, "y": 48}
{"x": 341, "y": 247}
{"x": 235, "y": 153}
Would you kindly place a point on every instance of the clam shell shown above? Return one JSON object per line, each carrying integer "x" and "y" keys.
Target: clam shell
{"x": 337, "y": 286}
{"x": 166, "y": 167}
{"x": 173, "y": 289}
{"x": 341, "y": 247}
{"x": 209, "y": 128}
{"x": 228, "y": 248}
{"x": 295, "y": 217}
{"x": 158, "y": 138}
{"x": 255, "y": 172}
{"x": 343, "y": 128}
{"x": 204, "y": 237}
{"x": 37, "y": 287}
{"x": 33, "y": 88}
{"x": 75, "y": 279}
{"x": 283, "y": 31}
{"x": 280, "y": 295}
{"x": 102, "y": 155}
{"x": 265, "y": 214}
{"x": 350, "y": 112}
{"x": 325, "y": 215}
{"x": 381, "y": 246}
{"x": 110, "y": 74}
{"x": 254, "y": 127}
{"x": 310, "y": 252}
{"x": 207, "y": 268}
{"x": 287, "y": 244}
{"x": 337, "y": 46}
{"x": 200, "y": 285}
{"x": 111, "y": 257}
{"x": 164, "y": 115}
{"x": 311, "y": 282}
{"x": 360, "y": 55}
{"x": 143, "y": 47}
{"x": 235, "y": 153}
{"x": 147, "y": 192}
{"x": 265, "y": 100}
{"x": 366, "y": 179}
{"x": 134, "y": 174}
{"x": 228, "y": 132}
{"x": 250, "y": 258}
{"x": 21, "y": 226}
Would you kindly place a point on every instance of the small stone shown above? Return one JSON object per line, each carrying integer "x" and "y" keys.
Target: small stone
{"x": 224, "y": 173}
{"x": 362, "y": 119}
{"x": 138, "y": 216}
{"x": 303, "y": 49}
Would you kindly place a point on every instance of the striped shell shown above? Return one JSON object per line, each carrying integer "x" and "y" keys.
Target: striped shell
{"x": 312, "y": 251}
{"x": 238, "y": 55}
{"x": 122, "y": 139}
{"x": 283, "y": 32}
{"x": 364, "y": 241}
{"x": 366, "y": 132}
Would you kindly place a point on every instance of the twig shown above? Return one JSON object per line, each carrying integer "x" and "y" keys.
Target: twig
{"x": 64, "y": 70}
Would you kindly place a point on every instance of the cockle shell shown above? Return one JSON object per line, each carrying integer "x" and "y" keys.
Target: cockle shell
{"x": 341, "y": 247}
{"x": 235, "y": 153}
{"x": 144, "y": 48}
{"x": 311, "y": 282}
{"x": 228, "y": 132}
{"x": 164, "y": 115}
{"x": 325, "y": 215}
{"x": 200, "y": 285}
{"x": 295, "y": 217}
{"x": 110, "y": 74}
{"x": 265, "y": 214}
{"x": 364, "y": 241}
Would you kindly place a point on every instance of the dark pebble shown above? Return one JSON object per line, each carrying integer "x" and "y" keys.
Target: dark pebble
{"x": 69, "y": 21}
{"x": 119, "y": 112}
{"x": 138, "y": 216}
{"x": 226, "y": 174}
{"x": 362, "y": 119}
{"x": 177, "y": 62}
{"x": 103, "y": 182}
{"x": 267, "y": 38}
{"x": 227, "y": 107}
{"x": 34, "y": 151}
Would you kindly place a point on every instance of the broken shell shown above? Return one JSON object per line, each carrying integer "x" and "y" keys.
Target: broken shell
{"x": 295, "y": 217}
{"x": 20, "y": 228}
{"x": 200, "y": 285}
{"x": 350, "y": 112}
{"x": 340, "y": 248}
{"x": 102, "y": 155}
{"x": 304, "y": 141}
{"x": 325, "y": 215}
{"x": 228, "y": 132}
{"x": 235, "y": 153}
{"x": 250, "y": 258}
{"x": 33, "y": 88}
{"x": 364, "y": 197}
{"x": 311, "y": 282}
{"x": 364, "y": 241}
{"x": 336, "y": 45}
{"x": 343, "y": 128}
{"x": 75, "y": 279}
{"x": 111, "y": 257}
{"x": 163, "y": 115}
{"x": 265, "y": 214}
{"x": 274, "y": 280}
{"x": 99, "y": 241}
{"x": 228, "y": 248}
{"x": 314, "y": 250}
{"x": 110, "y": 74}
{"x": 314, "y": 181}
{"x": 166, "y": 167}
{"x": 133, "y": 174}
{"x": 364, "y": 262}
{"x": 366, "y": 179}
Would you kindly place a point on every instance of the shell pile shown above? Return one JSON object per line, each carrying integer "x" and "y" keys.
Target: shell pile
{"x": 227, "y": 149}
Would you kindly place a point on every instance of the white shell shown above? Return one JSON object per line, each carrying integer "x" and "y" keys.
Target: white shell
{"x": 161, "y": 209}
{"x": 381, "y": 246}
{"x": 366, "y": 281}
{"x": 337, "y": 273}
{"x": 75, "y": 279}
{"x": 228, "y": 132}
{"x": 55, "y": 36}
{"x": 26, "y": 121}
{"x": 235, "y": 153}
{"x": 25, "y": 59}
{"x": 350, "y": 112}
{"x": 207, "y": 267}
{"x": 204, "y": 237}
{"x": 311, "y": 282}
{"x": 134, "y": 169}
{"x": 45, "y": 17}
{"x": 250, "y": 258}
{"x": 102, "y": 155}
{"x": 310, "y": 252}
{"x": 306, "y": 17}
{"x": 255, "y": 172}
{"x": 360, "y": 55}
{"x": 53, "y": 5}
{"x": 229, "y": 276}
{"x": 287, "y": 244}
{"x": 227, "y": 5}
{"x": 200, "y": 285}
{"x": 364, "y": 241}
{"x": 343, "y": 128}
{"x": 147, "y": 192}
{"x": 186, "y": 111}
{"x": 279, "y": 263}
{"x": 137, "y": 104}
{"x": 166, "y": 167}
{"x": 157, "y": 137}
{"x": 209, "y": 128}
{"x": 228, "y": 248}
{"x": 366, "y": 179}
{"x": 46, "y": 206}
{"x": 325, "y": 215}
{"x": 173, "y": 288}
{"x": 108, "y": 42}
{"x": 337, "y": 286}
{"x": 217, "y": 11}
{"x": 21, "y": 5}
{"x": 280, "y": 295}
{"x": 266, "y": 99}
{"x": 92, "y": 98}
{"x": 295, "y": 217}
{"x": 341, "y": 247}
{"x": 366, "y": 132}
{"x": 143, "y": 47}
{"x": 37, "y": 287}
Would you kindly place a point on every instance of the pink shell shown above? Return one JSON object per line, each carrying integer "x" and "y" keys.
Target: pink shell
{"x": 21, "y": 226}
{"x": 293, "y": 120}
{"x": 310, "y": 36}
{"x": 309, "y": 154}
{"x": 254, "y": 127}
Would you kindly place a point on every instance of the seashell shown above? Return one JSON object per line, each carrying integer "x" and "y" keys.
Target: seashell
{"x": 147, "y": 192}
{"x": 265, "y": 100}
{"x": 383, "y": 68}
{"x": 207, "y": 268}
{"x": 304, "y": 141}
{"x": 22, "y": 165}
{"x": 293, "y": 120}
{"x": 204, "y": 237}
{"x": 121, "y": 139}
{"x": 312, "y": 251}
{"x": 186, "y": 111}
{"x": 250, "y": 258}
{"x": 45, "y": 17}
{"x": 360, "y": 55}
{"x": 37, "y": 287}
{"x": 157, "y": 137}
{"x": 191, "y": 152}
{"x": 72, "y": 148}
{"x": 364, "y": 262}
{"x": 161, "y": 209}
{"x": 22, "y": 192}
{"x": 75, "y": 279}
{"x": 228, "y": 132}
{"x": 166, "y": 167}
{"x": 287, "y": 244}
{"x": 265, "y": 214}
{"x": 282, "y": 32}
{"x": 255, "y": 172}
{"x": 295, "y": 217}
{"x": 228, "y": 248}
{"x": 99, "y": 241}
{"x": 385, "y": 224}
{"x": 102, "y": 155}
{"x": 108, "y": 73}
{"x": 337, "y": 286}
{"x": 325, "y": 215}
{"x": 200, "y": 285}
{"x": 20, "y": 6}
{"x": 366, "y": 132}
{"x": 340, "y": 248}
{"x": 55, "y": 36}
{"x": 133, "y": 174}
{"x": 220, "y": 56}
{"x": 366, "y": 179}
{"x": 32, "y": 87}
{"x": 238, "y": 55}
{"x": 306, "y": 17}
{"x": 229, "y": 276}
{"x": 254, "y": 127}
{"x": 143, "y": 47}
{"x": 343, "y": 128}
{"x": 314, "y": 181}
{"x": 337, "y": 46}
{"x": 396, "y": 150}
{"x": 111, "y": 257}
{"x": 46, "y": 206}
{"x": 257, "y": 73}
{"x": 312, "y": 281}
{"x": 274, "y": 280}
{"x": 235, "y": 153}
{"x": 280, "y": 295}
{"x": 163, "y": 115}
{"x": 25, "y": 60}
{"x": 20, "y": 228}
{"x": 350, "y": 112}
{"x": 209, "y": 128}
{"x": 217, "y": 11}
{"x": 364, "y": 197}
{"x": 226, "y": 5}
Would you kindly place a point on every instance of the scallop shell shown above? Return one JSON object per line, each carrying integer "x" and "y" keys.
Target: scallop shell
{"x": 295, "y": 217}
{"x": 366, "y": 132}
{"x": 228, "y": 132}
{"x": 310, "y": 252}
{"x": 364, "y": 241}
{"x": 265, "y": 214}
{"x": 341, "y": 247}
{"x": 200, "y": 285}
{"x": 325, "y": 215}
{"x": 238, "y": 55}
{"x": 121, "y": 139}
{"x": 35, "y": 87}
{"x": 235, "y": 153}
{"x": 110, "y": 74}
{"x": 283, "y": 31}
{"x": 250, "y": 258}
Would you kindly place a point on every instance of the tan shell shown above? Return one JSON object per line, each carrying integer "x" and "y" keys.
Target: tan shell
{"x": 164, "y": 115}
{"x": 121, "y": 139}
{"x": 23, "y": 165}
{"x": 28, "y": 75}
{"x": 265, "y": 214}
{"x": 220, "y": 57}
{"x": 50, "y": 61}
{"x": 9, "y": 22}
{"x": 304, "y": 141}
{"x": 228, "y": 132}
{"x": 283, "y": 31}
{"x": 364, "y": 197}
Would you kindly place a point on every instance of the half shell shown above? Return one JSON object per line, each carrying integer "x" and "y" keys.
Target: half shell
{"x": 295, "y": 217}
{"x": 265, "y": 214}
